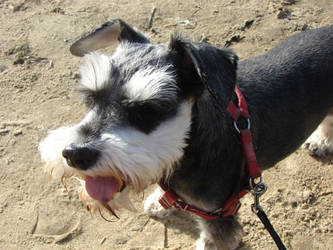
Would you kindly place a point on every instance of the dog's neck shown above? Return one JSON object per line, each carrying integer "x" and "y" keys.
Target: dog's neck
{"x": 212, "y": 167}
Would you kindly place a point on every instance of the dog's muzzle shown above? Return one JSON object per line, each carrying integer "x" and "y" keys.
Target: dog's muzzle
{"x": 80, "y": 157}
{"x": 99, "y": 188}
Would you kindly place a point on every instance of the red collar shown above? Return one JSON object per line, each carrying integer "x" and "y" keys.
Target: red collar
{"x": 232, "y": 205}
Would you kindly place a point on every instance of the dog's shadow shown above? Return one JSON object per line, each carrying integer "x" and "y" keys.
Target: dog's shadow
{"x": 186, "y": 223}
{"x": 181, "y": 222}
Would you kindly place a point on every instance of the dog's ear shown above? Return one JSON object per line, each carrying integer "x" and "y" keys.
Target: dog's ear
{"x": 214, "y": 68}
{"x": 108, "y": 33}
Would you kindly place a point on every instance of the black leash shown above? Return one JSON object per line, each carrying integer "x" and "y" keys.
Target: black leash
{"x": 263, "y": 217}
{"x": 257, "y": 187}
{"x": 257, "y": 190}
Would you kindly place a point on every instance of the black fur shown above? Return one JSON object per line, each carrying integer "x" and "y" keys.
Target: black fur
{"x": 289, "y": 90}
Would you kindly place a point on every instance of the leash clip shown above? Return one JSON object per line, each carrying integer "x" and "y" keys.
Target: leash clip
{"x": 257, "y": 189}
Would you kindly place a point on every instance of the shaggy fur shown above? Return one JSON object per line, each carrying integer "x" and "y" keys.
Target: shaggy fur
{"x": 158, "y": 113}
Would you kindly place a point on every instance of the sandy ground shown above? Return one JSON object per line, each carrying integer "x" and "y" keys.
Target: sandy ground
{"x": 37, "y": 79}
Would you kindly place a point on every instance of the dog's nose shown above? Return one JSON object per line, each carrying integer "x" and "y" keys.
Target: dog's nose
{"x": 80, "y": 157}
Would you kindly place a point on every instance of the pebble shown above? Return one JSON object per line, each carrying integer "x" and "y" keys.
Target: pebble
{"x": 301, "y": 27}
{"x": 95, "y": 9}
{"x": 305, "y": 206}
{"x": 4, "y": 131}
{"x": 121, "y": 241}
{"x": 308, "y": 196}
{"x": 288, "y": 2}
{"x": 293, "y": 204}
{"x": 18, "y": 132}
{"x": 330, "y": 228}
{"x": 283, "y": 13}
{"x": 102, "y": 241}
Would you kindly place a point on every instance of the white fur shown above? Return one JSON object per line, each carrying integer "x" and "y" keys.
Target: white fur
{"x": 153, "y": 208}
{"x": 52, "y": 146}
{"x": 148, "y": 83}
{"x": 51, "y": 151}
{"x": 95, "y": 71}
{"x": 320, "y": 143}
{"x": 203, "y": 243}
{"x": 141, "y": 159}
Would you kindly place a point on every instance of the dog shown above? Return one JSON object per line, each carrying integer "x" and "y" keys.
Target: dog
{"x": 151, "y": 118}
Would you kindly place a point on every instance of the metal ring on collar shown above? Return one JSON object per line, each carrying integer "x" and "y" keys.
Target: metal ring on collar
{"x": 238, "y": 129}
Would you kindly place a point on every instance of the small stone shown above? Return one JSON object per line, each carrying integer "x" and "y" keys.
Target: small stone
{"x": 102, "y": 241}
{"x": 305, "y": 206}
{"x": 58, "y": 10}
{"x": 121, "y": 241}
{"x": 4, "y": 131}
{"x": 95, "y": 9}
{"x": 283, "y": 13}
{"x": 19, "y": 60}
{"x": 76, "y": 76}
{"x": 293, "y": 204}
{"x": 18, "y": 6}
{"x": 308, "y": 196}
{"x": 301, "y": 27}
{"x": 18, "y": 132}
{"x": 330, "y": 228}
{"x": 288, "y": 2}
{"x": 247, "y": 24}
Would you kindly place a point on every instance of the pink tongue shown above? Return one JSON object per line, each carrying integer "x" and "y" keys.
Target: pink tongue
{"x": 102, "y": 188}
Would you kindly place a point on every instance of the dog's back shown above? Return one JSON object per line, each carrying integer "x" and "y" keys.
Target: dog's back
{"x": 289, "y": 91}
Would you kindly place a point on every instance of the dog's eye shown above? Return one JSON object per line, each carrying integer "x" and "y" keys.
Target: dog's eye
{"x": 147, "y": 116}
{"x": 141, "y": 115}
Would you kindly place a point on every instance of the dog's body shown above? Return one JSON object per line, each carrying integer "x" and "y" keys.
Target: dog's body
{"x": 153, "y": 118}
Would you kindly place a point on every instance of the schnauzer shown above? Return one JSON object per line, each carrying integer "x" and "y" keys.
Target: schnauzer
{"x": 152, "y": 118}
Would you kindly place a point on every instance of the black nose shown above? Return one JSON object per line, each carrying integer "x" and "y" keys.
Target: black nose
{"x": 80, "y": 157}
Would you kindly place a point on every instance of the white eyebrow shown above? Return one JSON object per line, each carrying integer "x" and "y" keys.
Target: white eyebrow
{"x": 151, "y": 83}
{"x": 95, "y": 71}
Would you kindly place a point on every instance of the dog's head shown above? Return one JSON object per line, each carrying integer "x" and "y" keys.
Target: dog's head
{"x": 139, "y": 103}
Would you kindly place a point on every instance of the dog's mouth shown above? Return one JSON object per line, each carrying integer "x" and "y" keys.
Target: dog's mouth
{"x": 103, "y": 189}
{"x": 104, "y": 192}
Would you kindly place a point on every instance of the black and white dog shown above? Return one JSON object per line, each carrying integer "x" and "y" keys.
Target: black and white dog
{"x": 151, "y": 118}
